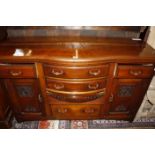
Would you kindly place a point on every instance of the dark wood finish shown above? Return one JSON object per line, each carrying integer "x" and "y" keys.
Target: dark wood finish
{"x": 74, "y": 77}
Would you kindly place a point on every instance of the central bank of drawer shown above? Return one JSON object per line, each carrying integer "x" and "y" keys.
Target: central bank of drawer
{"x": 76, "y": 72}
{"x": 71, "y": 86}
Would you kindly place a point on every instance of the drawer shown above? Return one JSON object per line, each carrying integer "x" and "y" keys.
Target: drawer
{"x": 17, "y": 71}
{"x": 75, "y": 86}
{"x": 76, "y": 72}
{"x": 75, "y": 111}
{"x": 133, "y": 71}
{"x": 55, "y": 97}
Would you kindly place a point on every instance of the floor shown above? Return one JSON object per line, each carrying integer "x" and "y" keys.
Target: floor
{"x": 85, "y": 124}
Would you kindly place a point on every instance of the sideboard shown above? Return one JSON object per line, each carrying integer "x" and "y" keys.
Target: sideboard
{"x": 74, "y": 77}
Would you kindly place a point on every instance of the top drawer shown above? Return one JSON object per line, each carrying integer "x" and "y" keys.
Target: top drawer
{"x": 76, "y": 72}
{"x": 17, "y": 71}
{"x": 133, "y": 71}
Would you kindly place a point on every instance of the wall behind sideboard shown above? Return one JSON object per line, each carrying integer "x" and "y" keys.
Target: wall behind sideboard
{"x": 34, "y": 31}
{"x": 151, "y": 38}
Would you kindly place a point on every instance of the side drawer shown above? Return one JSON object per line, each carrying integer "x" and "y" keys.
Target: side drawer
{"x": 76, "y": 72}
{"x": 76, "y": 111}
{"x": 75, "y": 86}
{"x": 133, "y": 71}
{"x": 17, "y": 71}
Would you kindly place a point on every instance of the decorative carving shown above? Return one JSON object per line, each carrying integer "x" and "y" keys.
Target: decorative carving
{"x": 76, "y": 98}
{"x": 24, "y": 91}
{"x": 125, "y": 91}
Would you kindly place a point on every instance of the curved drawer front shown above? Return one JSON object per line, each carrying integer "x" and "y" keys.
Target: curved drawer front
{"x": 17, "y": 71}
{"x": 74, "y": 97}
{"x": 76, "y": 72}
{"x": 133, "y": 71}
{"x": 72, "y": 86}
{"x": 75, "y": 111}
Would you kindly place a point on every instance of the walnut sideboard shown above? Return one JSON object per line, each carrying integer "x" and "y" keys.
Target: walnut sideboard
{"x": 73, "y": 78}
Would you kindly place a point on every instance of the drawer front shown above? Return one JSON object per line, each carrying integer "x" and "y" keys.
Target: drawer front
{"x": 74, "y": 98}
{"x": 76, "y": 86}
{"x": 75, "y": 111}
{"x": 17, "y": 71}
{"x": 76, "y": 72}
{"x": 131, "y": 71}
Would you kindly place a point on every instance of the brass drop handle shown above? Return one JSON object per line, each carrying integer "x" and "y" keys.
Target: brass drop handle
{"x": 58, "y": 86}
{"x": 94, "y": 72}
{"x": 57, "y": 72}
{"x": 111, "y": 98}
{"x": 135, "y": 72}
{"x": 62, "y": 111}
{"x": 93, "y": 86}
{"x": 89, "y": 110}
{"x": 40, "y": 98}
{"x": 15, "y": 73}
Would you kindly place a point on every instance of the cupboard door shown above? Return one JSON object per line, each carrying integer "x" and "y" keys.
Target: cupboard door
{"x": 127, "y": 95}
{"x": 5, "y": 111}
{"x": 26, "y": 97}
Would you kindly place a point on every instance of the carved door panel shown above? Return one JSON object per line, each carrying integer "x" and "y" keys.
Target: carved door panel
{"x": 127, "y": 95}
{"x": 25, "y": 96}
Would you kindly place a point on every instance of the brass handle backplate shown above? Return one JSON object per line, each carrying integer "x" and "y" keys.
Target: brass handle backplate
{"x": 58, "y": 86}
{"x": 89, "y": 110}
{"x": 15, "y": 73}
{"x": 135, "y": 72}
{"x": 62, "y": 110}
{"x": 57, "y": 72}
{"x": 93, "y": 86}
{"x": 94, "y": 72}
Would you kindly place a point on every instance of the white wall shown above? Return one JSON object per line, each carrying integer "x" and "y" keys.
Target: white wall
{"x": 151, "y": 38}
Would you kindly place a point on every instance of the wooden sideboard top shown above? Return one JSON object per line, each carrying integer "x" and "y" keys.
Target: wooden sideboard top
{"x": 88, "y": 49}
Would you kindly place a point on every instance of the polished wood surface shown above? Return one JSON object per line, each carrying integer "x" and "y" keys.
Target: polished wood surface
{"x": 70, "y": 77}
{"x": 113, "y": 50}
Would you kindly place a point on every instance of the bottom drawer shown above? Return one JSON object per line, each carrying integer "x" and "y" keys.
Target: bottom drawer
{"x": 76, "y": 111}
